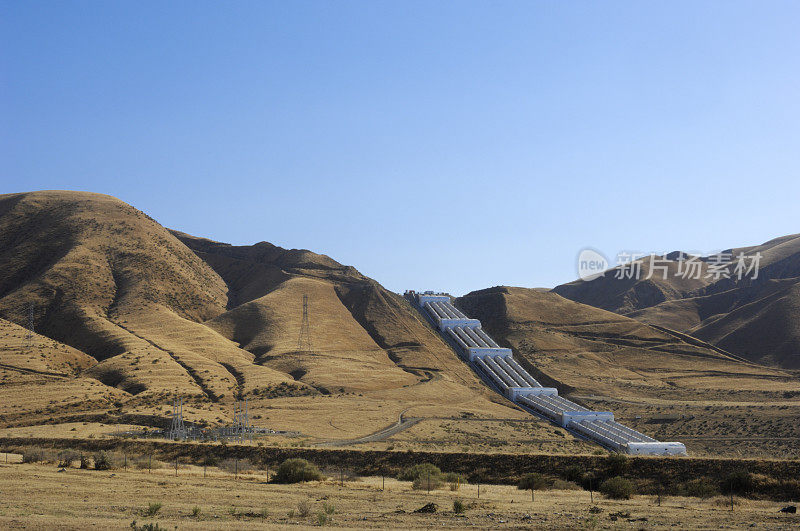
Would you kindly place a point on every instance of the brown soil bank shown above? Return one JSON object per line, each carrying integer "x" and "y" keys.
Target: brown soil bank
{"x": 771, "y": 479}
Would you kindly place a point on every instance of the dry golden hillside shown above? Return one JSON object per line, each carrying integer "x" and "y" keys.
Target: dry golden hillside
{"x": 138, "y": 315}
{"x": 644, "y": 373}
{"x": 753, "y": 318}
{"x": 373, "y": 359}
{"x": 109, "y": 281}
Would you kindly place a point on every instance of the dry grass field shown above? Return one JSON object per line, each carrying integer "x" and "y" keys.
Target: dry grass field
{"x": 44, "y": 497}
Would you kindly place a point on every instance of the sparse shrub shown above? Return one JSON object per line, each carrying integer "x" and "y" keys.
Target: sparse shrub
{"x": 66, "y": 458}
{"x": 737, "y": 482}
{"x": 322, "y": 518}
{"x": 153, "y": 509}
{"x": 560, "y": 484}
{"x": 329, "y": 508}
{"x": 532, "y": 481}
{"x": 573, "y": 473}
{"x": 458, "y": 507}
{"x": 102, "y": 461}
{"x": 85, "y": 462}
{"x": 427, "y": 482}
{"x": 455, "y": 480}
{"x": 420, "y": 470}
{"x": 196, "y": 511}
{"x": 303, "y": 508}
{"x": 31, "y": 456}
{"x": 617, "y": 488}
{"x": 701, "y": 488}
{"x": 296, "y": 470}
{"x": 147, "y": 527}
{"x": 616, "y": 464}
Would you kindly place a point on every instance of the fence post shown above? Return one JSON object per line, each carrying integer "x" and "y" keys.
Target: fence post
{"x": 176, "y": 467}
{"x": 479, "y": 490}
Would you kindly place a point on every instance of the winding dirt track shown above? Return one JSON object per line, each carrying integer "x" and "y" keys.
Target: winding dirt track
{"x": 403, "y": 423}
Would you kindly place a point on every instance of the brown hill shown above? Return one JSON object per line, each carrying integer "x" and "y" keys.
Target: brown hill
{"x": 109, "y": 281}
{"x": 754, "y": 318}
{"x": 643, "y": 373}
{"x": 132, "y": 315}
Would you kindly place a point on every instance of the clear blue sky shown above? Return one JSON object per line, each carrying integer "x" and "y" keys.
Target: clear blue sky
{"x": 432, "y": 145}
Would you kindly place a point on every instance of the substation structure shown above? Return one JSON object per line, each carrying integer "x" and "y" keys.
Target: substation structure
{"x": 496, "y": 365}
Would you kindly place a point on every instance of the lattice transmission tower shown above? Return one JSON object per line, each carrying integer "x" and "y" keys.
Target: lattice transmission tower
{"x": 241, "y": 422}
{"x": 304, "y": 343}
{"x": 177, "y": 429}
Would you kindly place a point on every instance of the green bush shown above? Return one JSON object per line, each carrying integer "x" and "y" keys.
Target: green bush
{"x": 737, "y": 482}
{"x": 153, "y": 509}
{"x": 617, "y": 488}
{"x": 427, "y": 482}
{"x": 458, "y": 507}
{"x": 420, "y": 470}
{"x": 296, "y": 470}
{"x": 102, "y": 461}
{"x": 532, "y": 481}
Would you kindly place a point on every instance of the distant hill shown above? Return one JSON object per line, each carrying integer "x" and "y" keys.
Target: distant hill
{"x": 754, "y": 318}
{"x": 596, "y": 351}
